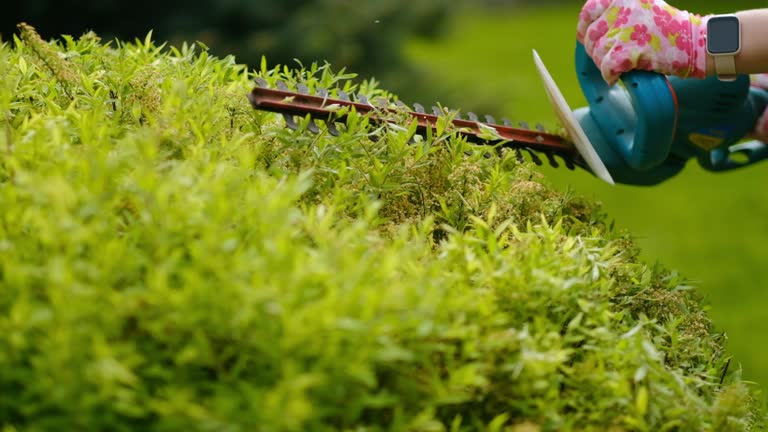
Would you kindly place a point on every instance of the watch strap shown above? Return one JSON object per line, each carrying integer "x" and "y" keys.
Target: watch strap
{"x": 725, "y": 67}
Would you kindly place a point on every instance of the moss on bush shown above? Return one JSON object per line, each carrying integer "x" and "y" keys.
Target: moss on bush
{"x": 171, "y": 259}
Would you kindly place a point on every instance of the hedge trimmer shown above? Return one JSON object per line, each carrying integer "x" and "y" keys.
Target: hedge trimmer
{"x": 641, "y": 132}
{"x": 536, "y": 142}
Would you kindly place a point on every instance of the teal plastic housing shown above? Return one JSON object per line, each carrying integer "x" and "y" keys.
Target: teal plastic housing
{"x": 646, "y": 129}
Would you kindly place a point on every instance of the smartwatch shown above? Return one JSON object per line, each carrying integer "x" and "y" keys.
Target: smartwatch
{"x": 723, "y": 43}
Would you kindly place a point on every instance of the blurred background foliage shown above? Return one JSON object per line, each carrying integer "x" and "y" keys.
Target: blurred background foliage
{"x": 476, "y": 55}
{"x": 366, "y": 37}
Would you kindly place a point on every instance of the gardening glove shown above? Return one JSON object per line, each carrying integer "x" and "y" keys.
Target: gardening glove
{"x": 624, "y": 35}
{"x": 761, "y": 127}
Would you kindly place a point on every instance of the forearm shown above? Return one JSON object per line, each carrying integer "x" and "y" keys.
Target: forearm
{"x": 753, "y": 57}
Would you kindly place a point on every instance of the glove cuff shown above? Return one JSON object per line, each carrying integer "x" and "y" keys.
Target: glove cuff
{"x": 698, "y": 45}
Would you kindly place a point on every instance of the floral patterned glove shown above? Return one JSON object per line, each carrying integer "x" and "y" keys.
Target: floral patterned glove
{"x": 623, "y": 35}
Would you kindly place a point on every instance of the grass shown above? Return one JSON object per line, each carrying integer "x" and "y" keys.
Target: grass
{"x": 709, "y": 227}
{"x": 174, "y": 260}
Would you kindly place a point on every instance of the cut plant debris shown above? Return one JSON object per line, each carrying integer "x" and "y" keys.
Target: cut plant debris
{"x": 172, "y": 259}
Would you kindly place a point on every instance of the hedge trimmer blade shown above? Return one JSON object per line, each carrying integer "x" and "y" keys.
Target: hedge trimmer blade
{"x": 321, "y": 106}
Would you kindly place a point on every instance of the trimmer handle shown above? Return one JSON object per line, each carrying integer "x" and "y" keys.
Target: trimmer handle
{"x": 735, "y": 156}
{"x": 642, "y": 135}
{"x": 731, "y": 155}
{"x": 646, "y": 130}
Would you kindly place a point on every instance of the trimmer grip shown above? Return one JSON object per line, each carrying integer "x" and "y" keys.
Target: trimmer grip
{"x": 641, "y": 133}
{"x": 733, "y": 154}
{"x": 726, "y": 159}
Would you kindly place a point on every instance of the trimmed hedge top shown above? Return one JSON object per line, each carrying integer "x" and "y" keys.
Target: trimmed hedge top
{"x": 171, "y": 259}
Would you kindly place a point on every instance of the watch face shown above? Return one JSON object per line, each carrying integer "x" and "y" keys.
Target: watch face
{"x": 723, "y": 35}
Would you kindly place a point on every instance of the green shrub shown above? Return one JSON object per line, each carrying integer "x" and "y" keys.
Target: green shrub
{"x": 173, "y": 260}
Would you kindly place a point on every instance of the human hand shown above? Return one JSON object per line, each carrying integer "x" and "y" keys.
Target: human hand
{"x": 624, "y": 35}
{"x": 761, "y": 127}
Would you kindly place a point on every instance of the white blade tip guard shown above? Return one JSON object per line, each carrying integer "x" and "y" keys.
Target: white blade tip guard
{"x": 575, "y": 132}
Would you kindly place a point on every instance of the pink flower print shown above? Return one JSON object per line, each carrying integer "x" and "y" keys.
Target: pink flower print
{"x": 617, "y": 51}
{"x": 623, "y": 17}
{"x": 599, "y": 31}
{"x": 663, "y": 20}
{"x": 591, "y": 5}
{"x": 623, "y": 35}
{"x": 626, "y": 65}
{"x": 684, "y": 38}
{"x": 681, "y": 68}
{"x": 618, "y": 55}
{"x": 644, "y": 64}
{"x": 640, "y": 35}
{"x": 674, "y": 27}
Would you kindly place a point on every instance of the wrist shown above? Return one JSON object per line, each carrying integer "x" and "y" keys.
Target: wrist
{"x": 725, "y": 41}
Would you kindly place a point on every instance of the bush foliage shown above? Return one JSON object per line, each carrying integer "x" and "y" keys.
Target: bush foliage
{"x": 174, "y": 260}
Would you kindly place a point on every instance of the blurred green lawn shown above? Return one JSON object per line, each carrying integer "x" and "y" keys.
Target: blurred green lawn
{"x": 712, "y": 228}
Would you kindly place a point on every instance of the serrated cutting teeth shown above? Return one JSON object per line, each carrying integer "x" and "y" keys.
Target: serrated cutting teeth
{"x": 312, "y": 127}
{"x": 552, "y": 160}
{"x": 519, "y": 156}
{"x": 534, "y": 157}
{"x": 380, "y": 102}
{"x": 363, "y": 99}
{"x": 332, "y": 129}
{"x": 320, "y": 105}
{"x": 290, "y": 122}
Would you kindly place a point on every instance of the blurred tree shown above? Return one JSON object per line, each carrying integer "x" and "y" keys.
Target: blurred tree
{"x": 364, "y": 36}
